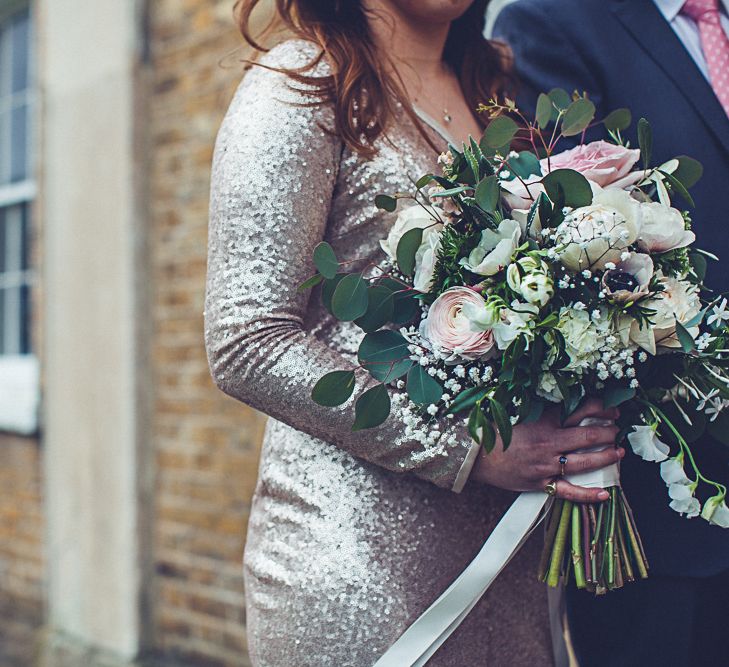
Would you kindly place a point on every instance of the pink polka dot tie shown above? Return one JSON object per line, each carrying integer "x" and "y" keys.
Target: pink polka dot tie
{"x": 714, "y": 43}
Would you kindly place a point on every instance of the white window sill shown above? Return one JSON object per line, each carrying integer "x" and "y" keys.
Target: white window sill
{"x": 19, "y": 394}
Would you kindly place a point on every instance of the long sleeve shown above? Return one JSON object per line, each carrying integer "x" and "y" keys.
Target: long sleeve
{"x": 274, "y": 175}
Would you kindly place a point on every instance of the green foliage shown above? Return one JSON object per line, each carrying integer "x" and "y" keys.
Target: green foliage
{"x": 380, "y": 308}
{"x": 503, "y": 423}
{"x": 544, "y": 110}
{"x": 310, "y": 282}
{"x": 618, "y": 120}
{"x": 568, "y": 186}
{"x": 488, "y": 193}
{"x": 645, "y": 142}
{"x": 386, "y": 203}
{"x": 577, "y": 117}
{"x": 422, "y": 389}
{"x": 689, "y": 171}
{"x": 526, "y": 164}
{"x": 350, "y": 298}
{"x": 325, "y": 260}
{"x": 372, "y": 408}
{"x": 334, "y": 388}
{"x": 616, "y": 393}
{"x": 448, "y": 271}
{"x": 385, "y": 355}
{"x": 500, "y": 132}
{"x": 407, "y": 247}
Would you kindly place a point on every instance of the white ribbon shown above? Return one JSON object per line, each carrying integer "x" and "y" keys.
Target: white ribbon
{"x": 425, "y": 636}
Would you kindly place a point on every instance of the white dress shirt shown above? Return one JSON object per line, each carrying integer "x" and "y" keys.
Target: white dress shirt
{"x": 688, "y": 31}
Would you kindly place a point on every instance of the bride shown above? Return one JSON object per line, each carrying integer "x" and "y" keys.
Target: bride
{"x": 353, "y": 535}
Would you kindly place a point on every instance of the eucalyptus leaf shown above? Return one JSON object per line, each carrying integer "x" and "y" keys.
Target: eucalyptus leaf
{"x": 500, "y": 132}
{"x": 386, "y": 203}
{"x": 526, "y": 164}
{"x": 422, "y": 389}
{"x": 488, "y": 192}
{"x": 689, "y": 171}
{"x": 614, "y": 394}
{"x": 618, "y": 120}
{"x": 310, "y": 282}
{"x": 423, "y": 181}
{"x": 372, "y": 408}
{"x": 385, "y": 355}
{"x": 577, "y": 117}
{"x": 325, "y": 260}
{"x": 570, "y": 185}
{"x": 407, "y": 248}
{"x": 350, "y": 298}
{"x": 645, "y": 141}
{"x": 544, "y": 110}
{"x": 560, "y": 98}
{"x": 684, "y": 337}
{"x": 380, "y": 308}
{"x": 334, "y": 388}
{"x": 327, "y": 290}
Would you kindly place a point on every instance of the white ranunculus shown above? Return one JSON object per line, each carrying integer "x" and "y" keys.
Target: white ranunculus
{"x": 663, "y": 228}
{"x": 425, "y": 217}
{"x": 595, "y": 235}
{"x": 425, "y": 261}
{"x": 672, "y": 471}
{"x": 716, "y": 511}
{"x": 495, "y": 249}
{"x": 679, "y": 301}
{"x": 514, "y": 322}
{"x": 529, "y": 277}
{"x": 683, "y": 500}
{"x": 647, "y": 445}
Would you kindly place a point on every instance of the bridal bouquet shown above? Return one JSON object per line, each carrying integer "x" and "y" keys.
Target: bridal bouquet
{"x": 521, "y": 277}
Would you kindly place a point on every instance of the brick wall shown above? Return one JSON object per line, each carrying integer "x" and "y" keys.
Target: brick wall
{"x": 206, "y": 444}
{"x": 21, "y": 549}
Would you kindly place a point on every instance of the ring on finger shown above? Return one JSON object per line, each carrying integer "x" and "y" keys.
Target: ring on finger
{"x": 551, "y": 488}
{"x": 562, "y": 464}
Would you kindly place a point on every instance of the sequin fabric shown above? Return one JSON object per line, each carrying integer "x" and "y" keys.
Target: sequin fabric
{"x": 351, "y": 535}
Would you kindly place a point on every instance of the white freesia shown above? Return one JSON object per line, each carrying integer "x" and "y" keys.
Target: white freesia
{"x": 514, "y": 322}
{"x": 426, "y": 258}
{"x": 647, "y": 445}
{"x": 598, "y": 234}
{"x": 663, "y": 228}
{"x": 716, "y": 511}
{"x": 683, "y": 501}
{"x": 530, "y": 278}
{"x": 495, "y": 249}
{"x": 423, "y": 217}
{"x": 672, "y": 471}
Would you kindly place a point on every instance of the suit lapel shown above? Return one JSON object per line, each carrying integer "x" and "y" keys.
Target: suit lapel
{"x": 655, "y": 36}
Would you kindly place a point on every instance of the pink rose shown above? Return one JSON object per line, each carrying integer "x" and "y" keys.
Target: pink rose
{"x": 601, "y": 162}
{"x": 448, "y": 326}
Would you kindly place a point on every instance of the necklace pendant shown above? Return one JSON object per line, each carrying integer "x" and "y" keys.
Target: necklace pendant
{"x": 446, "y": 116}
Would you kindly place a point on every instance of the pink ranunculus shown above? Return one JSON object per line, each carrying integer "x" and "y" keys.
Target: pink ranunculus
{"x": 450, "y": 330}
{"x": 601, "y": 162}
{"x": 604, "y": 163}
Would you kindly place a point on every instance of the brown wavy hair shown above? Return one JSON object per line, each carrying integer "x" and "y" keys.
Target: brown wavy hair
{"x": 361, "y": 88}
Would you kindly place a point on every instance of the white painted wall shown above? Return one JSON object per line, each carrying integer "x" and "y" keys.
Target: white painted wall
{"x": 88, "y": 272}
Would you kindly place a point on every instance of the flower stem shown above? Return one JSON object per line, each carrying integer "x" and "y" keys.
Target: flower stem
{"x": 555, "y": 566}
{"x": 577, "y": 548}
{"x": 549, "y": 538}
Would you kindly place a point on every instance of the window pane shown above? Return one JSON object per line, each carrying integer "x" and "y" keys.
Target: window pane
{"x": 19, "y": 47}
{"x": 3, "y": 241}
{"x": 3, "y": 319}
{"x": 19, "y": 143}
{"x": 24, "y": 320}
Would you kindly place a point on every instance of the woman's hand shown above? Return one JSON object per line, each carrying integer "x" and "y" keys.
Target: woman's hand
{"x": 532, "y": 459}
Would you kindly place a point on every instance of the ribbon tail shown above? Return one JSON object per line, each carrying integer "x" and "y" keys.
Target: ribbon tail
{"x": 423, "y": 638}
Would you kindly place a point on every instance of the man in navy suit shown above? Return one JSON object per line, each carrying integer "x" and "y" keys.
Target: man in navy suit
{"x": 668, "y": 61}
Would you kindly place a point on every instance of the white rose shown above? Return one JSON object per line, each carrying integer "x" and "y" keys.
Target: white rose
{"x": 425, "y": 261}
{"x": 514, "y": 321}
{"x": 716, "y": 512}
{"x": 679, "y": 301}
{"x": 647, "y": 445}
{"x": 412, "y": 217}
{"x": 495, "y": 249}
{"x": 663, "y": 228}
{"x": 535, "y": 285}
{"x": 594, "y": 235}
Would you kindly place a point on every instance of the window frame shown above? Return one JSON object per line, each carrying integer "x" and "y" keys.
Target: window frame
{"x": 19, "y": 373}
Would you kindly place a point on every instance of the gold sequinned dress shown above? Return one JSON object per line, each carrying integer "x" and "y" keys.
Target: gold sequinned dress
{"x": 351, "y": 535}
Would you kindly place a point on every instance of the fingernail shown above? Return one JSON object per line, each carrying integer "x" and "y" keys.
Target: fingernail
{"x": 603, "y": 495}
{"x": 621, "y": 452}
